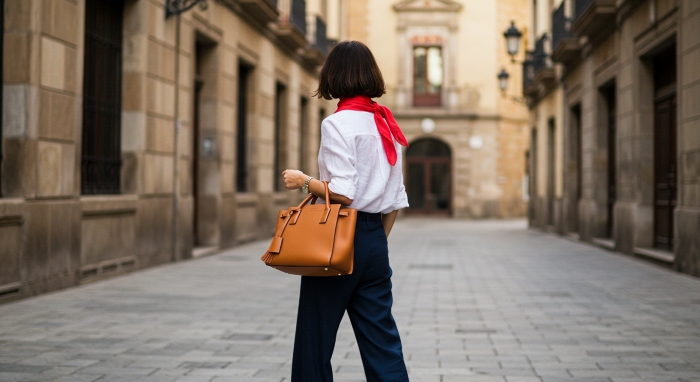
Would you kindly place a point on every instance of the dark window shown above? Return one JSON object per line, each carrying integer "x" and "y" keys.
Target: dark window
{"x": 303, "y": 128}
{"x": 280, "y": 142}
{"x": 2, "y": 28}
{"x": 551, "y": 147}
{"x": 101, "y": 146}
{"x": 428, "y": 74}
{"x": 244, "y": 72}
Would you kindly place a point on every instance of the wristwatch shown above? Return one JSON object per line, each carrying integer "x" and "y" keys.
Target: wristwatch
{"x": 305, "y": 187}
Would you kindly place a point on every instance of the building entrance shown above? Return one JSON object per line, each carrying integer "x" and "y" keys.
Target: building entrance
{"x": 664, "y": 148}
{"x": 429, "y": 180}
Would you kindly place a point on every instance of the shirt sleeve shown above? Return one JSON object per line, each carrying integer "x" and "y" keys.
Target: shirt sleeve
{"x": 337, "y": 154}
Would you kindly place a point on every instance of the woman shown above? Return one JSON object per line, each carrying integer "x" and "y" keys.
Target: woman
{"x": 360, "y": 157}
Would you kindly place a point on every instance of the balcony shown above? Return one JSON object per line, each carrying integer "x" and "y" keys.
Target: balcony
{"x": 319, "y": 45}
{"x": 593, "y": 18}
{"x": 565, "y": 45}
{"x": 262, "y": 11}
{"x": 530, "y": 88}
{"x": 544, "y": 71}
{"x": 291, "y": 29}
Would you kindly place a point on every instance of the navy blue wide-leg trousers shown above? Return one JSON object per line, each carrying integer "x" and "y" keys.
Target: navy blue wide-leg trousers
{"x": 366, "y": 295}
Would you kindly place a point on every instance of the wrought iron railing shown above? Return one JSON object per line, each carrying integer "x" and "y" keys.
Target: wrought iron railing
{"x": 297, "y": 15}
{"x": 320, "y": 38}
{"x": 528, "y": 70}
{"x": 561, "y": 26}
{"x": 580, "y": 6}
{"x": 540, "y": 57}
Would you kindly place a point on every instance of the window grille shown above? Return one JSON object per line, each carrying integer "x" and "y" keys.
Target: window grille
{"x": 102, "y": 94}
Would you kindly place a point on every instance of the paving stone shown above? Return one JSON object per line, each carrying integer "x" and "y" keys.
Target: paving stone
{"x": 475, "y": 301}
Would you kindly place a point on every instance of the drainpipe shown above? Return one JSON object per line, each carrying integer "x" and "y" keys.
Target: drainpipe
{"x": 176, "y": 150}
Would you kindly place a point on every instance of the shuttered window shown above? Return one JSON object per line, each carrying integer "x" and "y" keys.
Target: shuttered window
{"x": 102, "y": 95}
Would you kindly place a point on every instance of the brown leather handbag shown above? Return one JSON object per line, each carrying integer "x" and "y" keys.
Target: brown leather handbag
{"x": 314, "y": 239}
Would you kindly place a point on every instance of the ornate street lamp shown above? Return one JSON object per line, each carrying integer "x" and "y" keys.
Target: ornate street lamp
{"x": 503, "y": 80}
{"x": 176, "y": 7}
{"x": 512, "y": 36}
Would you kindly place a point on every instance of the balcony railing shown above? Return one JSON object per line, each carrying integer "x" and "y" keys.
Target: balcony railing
{"x": 540, "y": 57}
{"x": 320, "y": 41}
{"x": 594, "y": 18}
{"x": 528, "y": 74}
{"x": 580, "y": 6}
{"x": 561, "y": 26}
{"x": 297, "y": 15}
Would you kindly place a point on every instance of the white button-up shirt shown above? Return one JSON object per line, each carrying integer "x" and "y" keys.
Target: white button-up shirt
{"x": 353, "y": 161}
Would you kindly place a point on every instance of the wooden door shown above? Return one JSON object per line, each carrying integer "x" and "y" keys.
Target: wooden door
{"x": 429, "y": 179}
{"x": 612, "y": 158}
{"x": 664, "y": 171}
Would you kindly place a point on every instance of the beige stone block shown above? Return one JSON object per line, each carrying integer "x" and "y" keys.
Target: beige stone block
{"x": 185, "y": 177}
{"x": 185, "y": 140}
{"x": 71, "y": 73}
{"x": 161, "y": 28}
{"x": 47, "y": 7}
{"x": 158, "y": 174}
{"x": 185, "y": 101}
{"x": 57, "y": 116}
{"x": 226, "y": 118}
{"x": 690, "y": 136}
{"x": 186, "y": 71}
{"x": 690, "y": 29}
{"x": 691, "y": 195}
{"x": 167, "y": 99}
{"x": 132, "y": 91}
{"x": 17, "y": 53}
{"x": 133, "y": 131}
{"x": 265, "y": 153}
{"x": 186, "y": 38}
{"x": 265, "y": 179}
{"x": 161, "y": 60}
{"x": 690, "y": 6}
{"x": 228, "y": 63}
{"x": 18, "y": 15}
{"x": 227, "y": 89}
{"x": 66, "y": 23}
{"x": 226, "y": 148}
{"x": 159, "y": 135}
{"x": 53, "y": 64}
{"x": 691, "y": 102}
{"x": 691, "y": 64}
{"x": 68, "y": 170}
{"x": 161, "y": 97}
{"x": 49, "y": 169}
{"x": 227, "y": 178}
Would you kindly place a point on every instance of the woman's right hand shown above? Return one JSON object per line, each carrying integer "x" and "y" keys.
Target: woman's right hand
{"x": 293, "y": 179}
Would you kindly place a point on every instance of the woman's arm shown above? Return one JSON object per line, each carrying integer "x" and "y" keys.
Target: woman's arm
{"x": 294, "y": 179}
{"x": 388, "y": 221}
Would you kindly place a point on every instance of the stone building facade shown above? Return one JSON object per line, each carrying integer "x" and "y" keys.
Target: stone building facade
{"x": 626, "y": 156}
{"x": 440, "y": 58}
{"x": 131, "y": 139}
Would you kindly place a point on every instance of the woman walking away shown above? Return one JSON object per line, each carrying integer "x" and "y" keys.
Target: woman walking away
{"x": 361, "y": 158}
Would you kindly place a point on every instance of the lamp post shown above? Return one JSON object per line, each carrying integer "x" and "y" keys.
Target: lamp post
{"x": 503, "y": 80}
{"x": 176, "y": 7}
{"x": 512, "y": 36}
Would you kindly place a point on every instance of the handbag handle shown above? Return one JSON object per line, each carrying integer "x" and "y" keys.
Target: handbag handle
{"x": 312, "y": 198}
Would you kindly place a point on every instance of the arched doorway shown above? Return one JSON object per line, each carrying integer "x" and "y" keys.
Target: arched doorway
{"x": 429, "y": 177}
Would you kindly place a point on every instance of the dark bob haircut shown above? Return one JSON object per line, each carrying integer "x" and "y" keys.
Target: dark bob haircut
{"x": 350, "y": 70}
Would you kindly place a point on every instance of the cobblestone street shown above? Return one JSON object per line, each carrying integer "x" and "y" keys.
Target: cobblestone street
{"x": 474, "y": 301}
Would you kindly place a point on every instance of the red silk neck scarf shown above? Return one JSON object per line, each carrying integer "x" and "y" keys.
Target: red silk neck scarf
{"x": 386, "y": 124}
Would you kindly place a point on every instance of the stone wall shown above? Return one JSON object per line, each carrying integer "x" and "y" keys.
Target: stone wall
{"x": 52, "y": 236}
